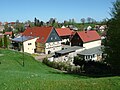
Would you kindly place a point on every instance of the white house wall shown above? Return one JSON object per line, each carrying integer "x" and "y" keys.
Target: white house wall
{"x": 53, "y": 47}
{"x": 68, "y": 57}
{"x": 65, "y": 40}
{"x": 29, "y": 46}
{"x": 92, "y": 44}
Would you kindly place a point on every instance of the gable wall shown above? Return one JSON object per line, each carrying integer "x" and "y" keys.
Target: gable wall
{"x": 92, "y": 44}
{"x": 29, "y": 45}
{"x": 53, "y": 37}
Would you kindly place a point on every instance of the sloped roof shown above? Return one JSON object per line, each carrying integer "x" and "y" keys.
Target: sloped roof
{"x": 41, "y": 32}
{"x": 88, "y": 36}
{"x": 64, "y": 31}
{"x": 8, "y": 33}
{"x": 22, "y": 38}
{"x": 91, "y": 51}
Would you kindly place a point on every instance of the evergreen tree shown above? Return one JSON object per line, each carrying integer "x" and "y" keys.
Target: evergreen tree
{"x": 12, "y": 35}
{"x": 1, "y": 43}
{"x": 35, "y": 21}
{"x": 112, "y": 44}
{"x": 5, "y": 41}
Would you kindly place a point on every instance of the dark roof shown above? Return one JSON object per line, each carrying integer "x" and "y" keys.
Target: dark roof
{"x": 91, "y": 51}
{"x": 88, "y": 36}
{"x": 69, "y": 50}
{"x": 22, "y": 38}
{"x": 41, "y": 32}
{"x": 65, "y": 51}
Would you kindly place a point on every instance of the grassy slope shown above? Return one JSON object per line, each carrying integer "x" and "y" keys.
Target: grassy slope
{"x": 36, "y": 76}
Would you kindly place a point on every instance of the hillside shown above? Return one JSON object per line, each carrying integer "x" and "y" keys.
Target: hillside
{"x": 37, "y": 76}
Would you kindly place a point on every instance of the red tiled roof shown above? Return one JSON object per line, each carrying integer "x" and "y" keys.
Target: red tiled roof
{"x": 41, "y": 32}
{"x": 64, "y": 31}
{"x": 12, "y": 22}
{"x": 8, "y": 33}
{"x": 88, "y": 36}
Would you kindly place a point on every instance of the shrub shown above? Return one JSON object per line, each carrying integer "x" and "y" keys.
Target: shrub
{"x": 92, "y": 67}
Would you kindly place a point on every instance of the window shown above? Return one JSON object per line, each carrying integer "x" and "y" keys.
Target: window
{"x": 55, "y": 38}
{"x": 29, "y": 43}
{"x": 51, "y": 38}
{"x": 93, "y": 55}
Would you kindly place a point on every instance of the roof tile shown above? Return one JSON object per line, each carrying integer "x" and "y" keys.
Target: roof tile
{"x": 88, "y": 36}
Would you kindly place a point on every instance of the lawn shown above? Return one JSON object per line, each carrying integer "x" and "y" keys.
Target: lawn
{"x": 37, "y": 76}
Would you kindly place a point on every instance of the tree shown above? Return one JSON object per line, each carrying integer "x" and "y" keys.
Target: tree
{"x": 79, "y": 61}
{"x": 89, "y": 19}
{"x": 112, "y": 44}
{"x": 12, "y": 35}
{"x": 35, "y": 21}
{"x": 5, "y": 41}
{"x": 1, "y": 42}
{"x": 83, "y": 20}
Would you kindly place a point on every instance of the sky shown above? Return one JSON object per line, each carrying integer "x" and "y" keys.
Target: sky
{"x": 23, "y": 10}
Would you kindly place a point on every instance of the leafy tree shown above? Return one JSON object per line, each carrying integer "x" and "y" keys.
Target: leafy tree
{"x": 89, "y": 19}
{"x": 79, "y": 61}
{"x": 112, "y": 44}
{"x": 83, "y": 20}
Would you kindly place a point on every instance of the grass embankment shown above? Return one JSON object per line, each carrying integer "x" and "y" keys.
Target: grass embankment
{"x": 37, "y": 76}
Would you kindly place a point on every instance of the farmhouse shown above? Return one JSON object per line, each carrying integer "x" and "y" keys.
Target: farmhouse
{"x": 87, "y": 39}
{"x": 85, "y": 44}
{"x": 44, "y": 40}
{"x": 91, "y": 41}
{"x": 65, "y": 34}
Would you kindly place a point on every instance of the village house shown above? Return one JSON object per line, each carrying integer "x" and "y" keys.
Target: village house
{"x": 24, "y": 44}
{"x": 9, "y": 34}
{"x": 85, "y": 44}
{"x": 65, "y": 34}
{"x": 43, "y": 39}
{"x": 87, "y": 39}
{"x": 1, "y": 28}
{"x": 91, "y": 41}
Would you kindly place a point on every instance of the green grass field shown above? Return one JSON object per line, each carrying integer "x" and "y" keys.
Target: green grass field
{"x": 37, "y": 76}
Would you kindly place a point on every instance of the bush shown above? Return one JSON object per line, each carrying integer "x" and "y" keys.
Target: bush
{"x": 92, "y": 67}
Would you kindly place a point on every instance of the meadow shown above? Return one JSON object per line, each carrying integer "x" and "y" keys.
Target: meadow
{"x": 35, "y": 75}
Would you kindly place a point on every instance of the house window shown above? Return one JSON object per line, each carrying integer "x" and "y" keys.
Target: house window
{"x": 51, "y": 38}
{"x": 93, "y": 55}
{"x": 29, "y": 43}
{"x": 55, "y": 38}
